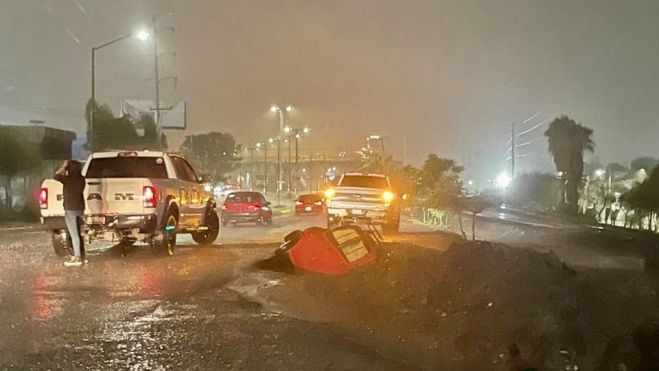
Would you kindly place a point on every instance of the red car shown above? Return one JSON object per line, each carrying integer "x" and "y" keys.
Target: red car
{"x": 246, "y": 206}
{"x": 309, "y": 204}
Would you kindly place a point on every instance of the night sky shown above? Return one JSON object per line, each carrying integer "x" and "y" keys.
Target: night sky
{"x": 447, "y": 77}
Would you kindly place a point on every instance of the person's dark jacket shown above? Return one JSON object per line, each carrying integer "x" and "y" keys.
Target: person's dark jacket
{"x": 74, "y": 185}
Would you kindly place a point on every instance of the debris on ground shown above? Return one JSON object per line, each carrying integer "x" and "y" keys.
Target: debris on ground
{"x": 480, "y": 304}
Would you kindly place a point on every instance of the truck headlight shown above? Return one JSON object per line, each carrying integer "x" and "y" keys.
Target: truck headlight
{"x": 388, "y": 196}
{"x": 329, "y": 193}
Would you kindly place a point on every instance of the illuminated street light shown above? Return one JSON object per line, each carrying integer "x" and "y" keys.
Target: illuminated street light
{"x": 599, "y": 172}
{"x": 503, "y": 180}
{"x": 306, "y": 130}
{"x": 143, "y": 35}
{"x": 289, "y": 108}
{"x": 274, "y": 109}
{"x": 270, "y": 140}
{"x": 287, "y": 129}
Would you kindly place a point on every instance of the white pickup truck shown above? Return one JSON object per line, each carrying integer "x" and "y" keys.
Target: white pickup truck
{"x": 363, "y": 199}
{"x": 135, "y": 196}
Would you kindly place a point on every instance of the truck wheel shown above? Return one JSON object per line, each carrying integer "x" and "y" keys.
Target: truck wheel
{"x": 165, "y": 241}
{"x": 61, "y": 244}
{"x": 331, "y": 224}
{"x": 208, "y": 236}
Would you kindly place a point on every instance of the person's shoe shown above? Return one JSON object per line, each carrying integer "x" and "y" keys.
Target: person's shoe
{"x": 73, "y": 261}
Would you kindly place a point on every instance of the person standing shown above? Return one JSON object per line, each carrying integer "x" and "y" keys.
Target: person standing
{"x": 70, "y": 175}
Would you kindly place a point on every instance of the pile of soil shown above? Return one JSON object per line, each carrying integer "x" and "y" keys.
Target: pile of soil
{"x": 484, "y": 306}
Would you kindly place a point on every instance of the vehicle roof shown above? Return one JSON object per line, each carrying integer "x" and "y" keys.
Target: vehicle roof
{"x": 146, "y": 153}
{"x": 365, "y": 174}
{"x": 245, "y": 192}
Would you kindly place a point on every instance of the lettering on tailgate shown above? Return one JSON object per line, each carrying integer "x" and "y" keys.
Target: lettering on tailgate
{"x": 123, "y": 196}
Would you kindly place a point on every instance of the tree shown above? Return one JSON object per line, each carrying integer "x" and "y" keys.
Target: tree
{"x": 440, "y": 187}
{"x": 110, "y": 132}
{"x": 567, "y": 143}
{"x": 643, "y": 198}
{"x": 150, "y": 138}
{"x": 646, "y": 163}
{"x": 475, "y": 205}
{"x": 15, "y": 157}
{"x": 375, "y": 163}
{"x": 212, "y": 153}
{"x": 103, "y": 118}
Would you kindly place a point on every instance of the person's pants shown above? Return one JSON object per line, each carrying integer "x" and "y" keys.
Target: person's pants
{"x": 73, "y": 219}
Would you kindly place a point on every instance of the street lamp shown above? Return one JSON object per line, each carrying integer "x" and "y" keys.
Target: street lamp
{"x": 294, "y": 133}
{"x": 277, "y": 109}
{"x": 141, "y": 35}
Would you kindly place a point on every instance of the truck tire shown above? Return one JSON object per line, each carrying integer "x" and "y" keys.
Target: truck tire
{"x": 331, "y": 224}
{"x": 212, "y": 222}
{"x": 164, "y": 241}
{"x": 61, "y": 244}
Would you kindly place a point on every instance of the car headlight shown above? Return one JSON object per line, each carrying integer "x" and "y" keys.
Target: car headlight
{"x": 329, "y": 193}
{"x": 388, "y": 196}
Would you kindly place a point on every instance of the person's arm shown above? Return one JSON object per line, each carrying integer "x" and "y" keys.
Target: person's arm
{"x": 60, "y": 174}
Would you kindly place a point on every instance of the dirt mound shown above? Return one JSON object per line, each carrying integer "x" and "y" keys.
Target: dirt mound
{"x": 477, "y": 305}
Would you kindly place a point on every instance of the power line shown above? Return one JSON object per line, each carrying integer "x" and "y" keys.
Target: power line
{"x": 534, "y": 127}
{"x": 529, "y": 142}
{"x": 531, "y": 117}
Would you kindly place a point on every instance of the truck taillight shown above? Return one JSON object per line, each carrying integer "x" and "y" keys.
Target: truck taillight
{"x": 43, "y": 198}
{"x": 149, "y": 196}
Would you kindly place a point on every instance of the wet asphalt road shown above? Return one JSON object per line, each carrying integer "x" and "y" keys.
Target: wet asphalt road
{"x": 197, "y": 310}
{"x": 140, "y": 312}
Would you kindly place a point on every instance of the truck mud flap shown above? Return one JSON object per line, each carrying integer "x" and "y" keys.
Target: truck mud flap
{"x": 334, "y": 251}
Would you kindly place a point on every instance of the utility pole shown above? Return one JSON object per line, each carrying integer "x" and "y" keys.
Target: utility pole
{"x": 512, "y": 155}
{"x": 289, "y": 166}
{"x": 155, "y": 65}
{"x": 265, "y": 167}
{"x": 90, "y": 126}
{"x": 251, "y": 168}
{"x": 297, "y": 168}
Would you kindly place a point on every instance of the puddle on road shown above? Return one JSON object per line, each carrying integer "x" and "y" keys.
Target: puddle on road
{"x": 249, "y": 283}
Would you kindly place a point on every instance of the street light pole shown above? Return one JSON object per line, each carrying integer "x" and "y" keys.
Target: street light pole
{"x": 289, "y": 166}
{"x": 90, "y": 129}
{"x": 280, "y": 136}
{"x": 297, "y": 168}
{"x": 142, "y": 35}
{"x": 155, "y": 65}
{"x": 265, "y": 168}
{"x": 279, "y": 168}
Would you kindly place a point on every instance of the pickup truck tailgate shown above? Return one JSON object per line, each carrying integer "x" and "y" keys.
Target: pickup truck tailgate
{"x": 364, "y": 198}
{"x": 115, "y": 195}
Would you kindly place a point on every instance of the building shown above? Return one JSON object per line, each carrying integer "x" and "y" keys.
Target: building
{"x": 51, "y": 146}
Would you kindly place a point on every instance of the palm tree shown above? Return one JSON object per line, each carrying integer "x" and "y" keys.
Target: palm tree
{"x": 567, "y": 143}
